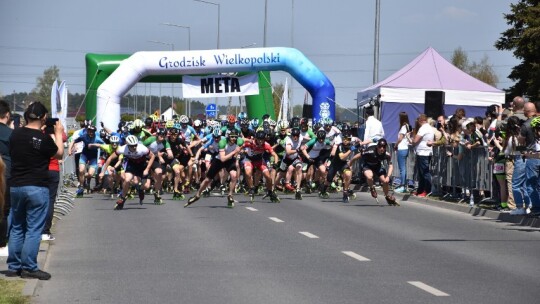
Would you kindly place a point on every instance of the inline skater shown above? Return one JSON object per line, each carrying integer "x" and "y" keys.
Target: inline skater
{"x": 139, "y": 160}
{"x": 179, "y": 162}
{"x": 111, "y": 176}
{"x": 157, "y": 144}
{"x": 318, "y": 150}
{"x": 229, "y": 147}
{"x": 88, "y": 158}
{"x": 255, "y": 150}
{"x": 374, "y": 157}
{"x": 292, "y": 162}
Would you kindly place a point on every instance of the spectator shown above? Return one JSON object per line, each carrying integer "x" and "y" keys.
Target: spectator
{"x": 5, "y": 133}
{"x": 518, "y": 106}
{"x": 442, "y": 127}
{"x": 511, "y": 153}
{"x": 460, "y": 114}
{"x": 423, "y": 141}
{"x": 31, "y": 151}
{"x": 402, "y": 147}
{"x": 521, "y": 179}
{"x": 374, "y": 129}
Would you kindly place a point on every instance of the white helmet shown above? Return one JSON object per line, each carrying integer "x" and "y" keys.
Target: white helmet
{"x": 283, "y": 124}
{"x": 132, "y": 140}
{"x": 197, "y": 123}
{"x": 137, "y": 123}
{"x": 114, "y": 139}
{"x": 184, "y": 119}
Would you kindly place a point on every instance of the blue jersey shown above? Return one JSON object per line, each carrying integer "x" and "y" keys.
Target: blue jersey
{"x": 89, "y": 152}
{"x": 188, "y": 132}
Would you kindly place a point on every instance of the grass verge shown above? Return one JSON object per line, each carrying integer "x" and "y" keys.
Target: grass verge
{"x": 11, "y": 292}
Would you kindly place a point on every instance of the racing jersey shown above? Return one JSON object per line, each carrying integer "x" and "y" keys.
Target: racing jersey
{"x": 142, "y": 135}
{"x": 255, "y": 152}
{"x": 154, "y": 146}
{"x": 295, "y": 145}
{"x": 314, "y": 147}
{"x": 307, "y": 135}
{"x": 372, "y": 158}
{"x": 86, "y": 140}
{"x": 247, "y": 133}
{"x": 211, "y": 144}
{"x": 138, "y": 156}
{"x": 188, "y": 133}
{"x": 178, "y": 147}
{"x": 225, "y": 145}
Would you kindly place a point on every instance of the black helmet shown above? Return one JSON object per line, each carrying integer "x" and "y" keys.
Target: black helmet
{"x": 295, "y": 122}
{"x": 148, "y": 121}
{"x": 295, "y": 131}
{"x": 321, "y": 134}
{"x": 232, "y": 132}
{"x": 346, "y": 130}
{"x": 260, "y": 134}
{"x": 317, "y": 126}
{"x": 244, "y": 123}
{"x": 162, "y": 132}
{"x": 382, "y": 143}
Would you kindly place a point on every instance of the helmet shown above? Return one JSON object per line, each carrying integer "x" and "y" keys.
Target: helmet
{"x": 346, "y": 130}
{"x": 283, "y": 124}
{"x": 295, "y": 122}
{"x": 216, "y": 132}
{"x": 244, "y": 123}
{"x": 255, "y": 123}
{"x": 321, "y": 134}
{"x": 162, "y": 132}
{"x": 271, "y": 122}
{"x": 317, "y": 126}
{"x": 137, "y": 123}
{"x": 121, "y": 124}
{"x": 148, "y": 121}
{"x": 102, "y": 133}
{"x": 231, "y": 118}
{"x": 304, "y": 122}
{"x": 382, "y": 143}
{"x": 173, "y": 130}
{"x": 231, "y": 133}
{"x": 535, "y": 122}
{"x": 197, "y": 123}
{"x": 184, "y": 119}
{"x": 242, "y": 115}
{"x": 114, "y": 139}
{"x": 265, "y": 116}
{"x": 169, "y": 124}
{"x": 91, "y": 128}
{"x": 260, "y": 134}
{"x": 295, "y": 131}
{"x": 132, "y": 140}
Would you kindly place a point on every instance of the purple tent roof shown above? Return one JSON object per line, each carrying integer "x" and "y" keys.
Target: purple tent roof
{"x": 431, "y": 71}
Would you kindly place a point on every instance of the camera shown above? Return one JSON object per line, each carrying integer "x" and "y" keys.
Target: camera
{"x": 49, "y": 125}
{"x": 50, "y": 122}
{"x": 439, "y": 125}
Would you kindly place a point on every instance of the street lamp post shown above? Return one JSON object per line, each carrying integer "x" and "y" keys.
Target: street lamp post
{"x": 172, "y": 85}
{"x": 265, "y": 21}
{"x": 376, "y": 42}
{"x": 181, "y": 26}
{"x": 219, "y": 14}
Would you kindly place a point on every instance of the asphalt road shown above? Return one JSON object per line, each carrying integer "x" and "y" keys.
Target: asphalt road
{"x": 309, "y": 251}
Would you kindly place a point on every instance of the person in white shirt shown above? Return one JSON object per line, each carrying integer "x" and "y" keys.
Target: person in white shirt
{"x": 423, "y": 141}
{"x": 374, "y": 129}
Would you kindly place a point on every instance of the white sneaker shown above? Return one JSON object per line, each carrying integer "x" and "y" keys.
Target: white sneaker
{"x": 518, "y": 211}
{"x": 47, "y": 237}
{"x": 4, "y": 251}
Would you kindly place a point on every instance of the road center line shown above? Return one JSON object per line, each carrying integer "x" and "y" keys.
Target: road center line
{"x": 356, "y": 256}
{"x": 309, "y": 235}
{"x": 251, "y": 209}
{"x": 275, "y": 219}
{"x": 427, "y": 288}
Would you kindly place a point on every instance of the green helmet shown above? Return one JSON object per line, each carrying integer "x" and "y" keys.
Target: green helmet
{"x": 535, "y": 122}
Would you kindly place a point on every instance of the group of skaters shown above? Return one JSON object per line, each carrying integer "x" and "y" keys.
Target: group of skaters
{"x": 237, "y": 155}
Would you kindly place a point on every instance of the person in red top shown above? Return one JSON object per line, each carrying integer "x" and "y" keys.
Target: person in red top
{"x": 54, "y": 180}
{"x": 254, "y": 160}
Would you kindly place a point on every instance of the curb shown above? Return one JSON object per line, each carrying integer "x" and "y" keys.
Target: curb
{"x": 32, "y": 284}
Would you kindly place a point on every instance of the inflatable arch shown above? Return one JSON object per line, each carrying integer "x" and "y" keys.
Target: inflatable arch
{"x": 169, "y": 66}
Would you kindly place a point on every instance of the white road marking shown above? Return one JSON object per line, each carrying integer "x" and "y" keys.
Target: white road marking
{"x": 251, "y": 209}
{"x": 427, "y": 288}
{"x": 309, "y": 235}
{"x": 275, "y": 219}
{"x": 356, "y": 256}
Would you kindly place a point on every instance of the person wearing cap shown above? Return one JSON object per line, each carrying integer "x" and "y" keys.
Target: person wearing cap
{"x": 30, "y": 150}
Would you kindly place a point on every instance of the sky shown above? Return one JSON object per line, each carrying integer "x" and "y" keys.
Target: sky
{"x": 337, "y": 36}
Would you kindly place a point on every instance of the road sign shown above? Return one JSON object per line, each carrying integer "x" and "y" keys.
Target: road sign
{"x": 211, "y": 110}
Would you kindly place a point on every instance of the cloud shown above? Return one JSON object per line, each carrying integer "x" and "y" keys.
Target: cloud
{"x": 453, "y": 12}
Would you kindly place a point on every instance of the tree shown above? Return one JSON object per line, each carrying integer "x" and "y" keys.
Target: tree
{"x": 523, "y": 38}
{"x": 482, "y": 71}
{"x": 42, "y": 91}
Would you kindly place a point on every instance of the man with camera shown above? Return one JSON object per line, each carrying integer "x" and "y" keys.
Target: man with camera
{"x": 30, "y": 151}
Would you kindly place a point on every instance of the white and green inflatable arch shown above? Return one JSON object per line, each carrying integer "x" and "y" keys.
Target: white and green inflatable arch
{"x": 110, "y": 77}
